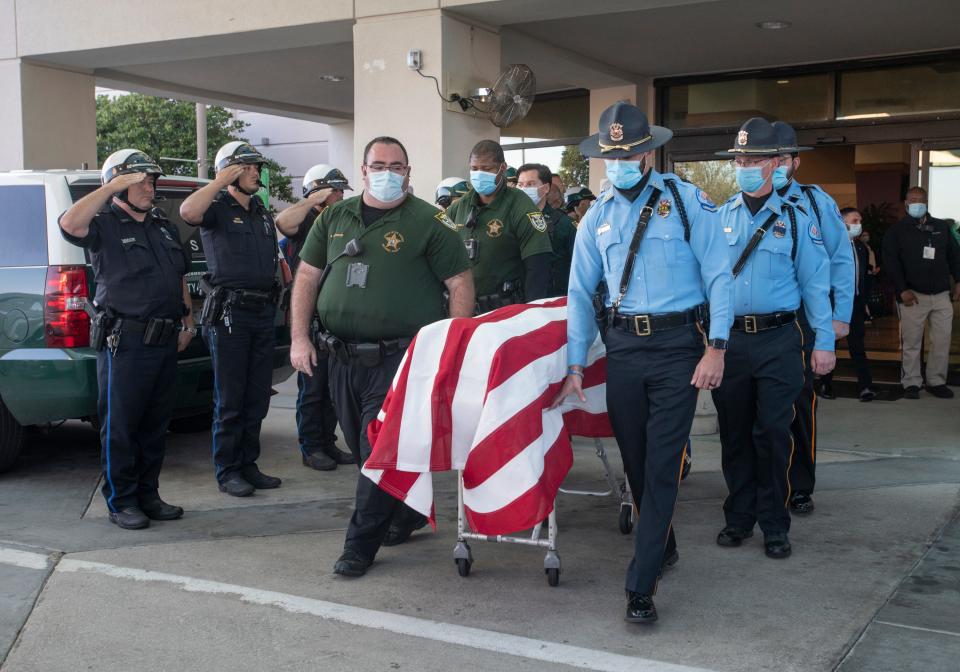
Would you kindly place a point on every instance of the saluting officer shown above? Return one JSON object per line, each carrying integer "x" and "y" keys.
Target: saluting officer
{"x": 534, "y": 181}
{"x": 824, "y": 211}
{"x": 323, "y": 185}
{"x": 655, "y": 241}
{"x": 778, "y": 260}
{"x": 402, "y": 254}
{"x": 449, "y": 191}
{"x": 504, "y": 233}
{"x": 240, "y": 243}
{"x": 142, "y": 319}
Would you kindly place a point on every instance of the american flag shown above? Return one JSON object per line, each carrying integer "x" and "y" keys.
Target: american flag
{"x": 474, "y": 394}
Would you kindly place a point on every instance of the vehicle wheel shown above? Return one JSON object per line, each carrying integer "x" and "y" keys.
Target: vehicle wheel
{"x": 192, "y": 423}
{"x": 626, "y": 523}
{"x": 463, "y": 567}
{"x": 11, "y": 438}
{"x": 553, "y": 576}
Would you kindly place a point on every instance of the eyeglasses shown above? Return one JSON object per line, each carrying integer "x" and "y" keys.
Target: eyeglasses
{"x": 379, "y": 167}
{"x": 749, "y": 162}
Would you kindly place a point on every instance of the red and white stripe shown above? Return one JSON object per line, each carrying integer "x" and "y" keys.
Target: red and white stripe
{"x": 473, "y": 394}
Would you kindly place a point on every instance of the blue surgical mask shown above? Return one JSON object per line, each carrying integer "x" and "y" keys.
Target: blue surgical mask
{"x": 917, "y": 210}
{"x": 385, "y": 185}
{"x": 780, "y": 177}
{"x": 484, "y": 183}
{"x": 750, "y": 179}
{"x": 623, "y": 174}
{"x": 533, "y": 193}
{"x": 854, "y": 230}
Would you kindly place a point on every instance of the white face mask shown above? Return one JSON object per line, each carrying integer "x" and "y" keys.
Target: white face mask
{"x": 533, "y": 193}
{"x": 854, "y": 230}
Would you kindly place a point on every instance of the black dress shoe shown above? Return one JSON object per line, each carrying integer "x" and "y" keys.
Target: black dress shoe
{"x": 640, "y": 608}
{"x": 912, "y": 392}
{"x": 777, "y": 545}
{"x": 351, "y": 563}
{"x": 867, "y": 394}
{"x": 397, "y": 534}
{"x": 158, "y": 509}
{"x": 236, "y": 487}
{"x": 731, "y": 536}
{"x": 941, "y": 391}
{"x": 251, "y": 474}
{"x": 129, "y": 518}
{"x": 339, "y": 456}
{"x": 801, "y": 504}
{"x": 319, "y": 461}
{"x": 826, "y": 392}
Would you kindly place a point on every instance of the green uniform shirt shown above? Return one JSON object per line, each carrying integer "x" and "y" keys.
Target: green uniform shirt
{"x": 409, "y": 252}
{"x": 562, "y": 232}
{"x": 509, "y": 229}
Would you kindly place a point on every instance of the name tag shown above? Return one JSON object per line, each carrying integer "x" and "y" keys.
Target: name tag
{"x": 603, "y": 229}
{"x": 929, "y": 252}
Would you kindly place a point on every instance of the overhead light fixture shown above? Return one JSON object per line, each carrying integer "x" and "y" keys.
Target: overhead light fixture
{"x": 332, "y": 78}
{"x": 774, "y": 25}
{"x": 783, "y": 81}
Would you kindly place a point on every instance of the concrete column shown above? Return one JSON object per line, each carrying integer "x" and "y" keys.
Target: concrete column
{"x": 391, "y": 99}
{"x": 640, "y": 94}
{"x": 340, "y": 148}
{"x": 47, "y": 117}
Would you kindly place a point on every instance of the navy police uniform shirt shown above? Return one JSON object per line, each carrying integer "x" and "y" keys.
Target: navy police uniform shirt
{"x": 138, "y": 267}
{"x": 772, "y": 280}
{"x": 240, "y": 244}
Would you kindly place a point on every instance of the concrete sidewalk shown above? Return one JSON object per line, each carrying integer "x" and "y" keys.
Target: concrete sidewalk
{"x": 874, "y": 582}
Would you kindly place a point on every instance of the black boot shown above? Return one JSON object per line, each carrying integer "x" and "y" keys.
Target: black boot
{"x": 252, "y": 475}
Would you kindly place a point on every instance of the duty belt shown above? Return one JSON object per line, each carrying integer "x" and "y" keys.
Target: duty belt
{"x": 387, "y": 347}
{"x": 753, "y": 324}
{"x": 368, "y": 354}
{"x": 251, "y": 299}
{"x": 645, "y": 325}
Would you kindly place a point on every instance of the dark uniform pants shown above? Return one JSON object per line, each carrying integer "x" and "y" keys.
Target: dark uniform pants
{"x": 651, "y": 405}
{"x": 316, "y": 418}
{"x": 855, "y": 345}
{"x": 358, "y": 393}
{"x": 762, "y": 377}
{"x": 242, "y": 377}
{"x": 134, "y": 404}
{"x": 803, "y": 468}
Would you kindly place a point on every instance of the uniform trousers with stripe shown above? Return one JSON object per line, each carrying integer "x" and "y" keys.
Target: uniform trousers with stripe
{"x": 651, "y": 405}
{"x": 803, "y": 468}
{"x": 135, "y": 401}
{"x": 242, "y": 379}
{"x": 358, "y": 393}
{"x": 762, "y": 377}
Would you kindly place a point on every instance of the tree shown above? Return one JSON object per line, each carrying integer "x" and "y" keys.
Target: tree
{"x": 574, "y": 167}
{"x": 716, "y": 178}
{"x": 163, "y": 127}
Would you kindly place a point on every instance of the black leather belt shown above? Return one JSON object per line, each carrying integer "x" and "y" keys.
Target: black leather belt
{"x": 251, "y": 299}
{"x": 753, "y": 324}
{"x": 129, "y": 324}
{"x": 644, "y": 325}
{"x": 387, "y": 347}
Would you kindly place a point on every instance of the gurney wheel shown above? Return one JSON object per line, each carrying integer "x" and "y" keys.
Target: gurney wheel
{"x": 463, "y": 566}
{"x": 553, "y": 576}
{"x": 626, "y": 520}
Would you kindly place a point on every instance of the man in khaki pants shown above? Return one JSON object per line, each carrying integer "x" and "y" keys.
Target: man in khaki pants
{"x": 920, "y": 255}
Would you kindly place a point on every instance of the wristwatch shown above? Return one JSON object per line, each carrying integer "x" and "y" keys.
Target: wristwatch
{"x": 718, "y": 343}
{"x": 190, "y": 330}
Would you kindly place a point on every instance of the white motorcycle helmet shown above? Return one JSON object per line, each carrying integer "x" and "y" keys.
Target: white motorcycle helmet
{"x": 324, "y": 176}
{"x": 124, "y": 162}
{"x": 449, "y": 189}
{"x": 239, "y": 152}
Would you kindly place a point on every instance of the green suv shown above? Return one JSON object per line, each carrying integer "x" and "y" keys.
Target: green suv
{"x": 48, "y": 372}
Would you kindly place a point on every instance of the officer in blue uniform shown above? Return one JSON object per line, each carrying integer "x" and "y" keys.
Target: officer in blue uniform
{"x": 778, "y": 259}
{"x": 655, "y": 240}
{"x": 140, "y": 320}
{"x": 240, "y": 243}
{"x": 824, "y": 211}
{"x": 323, "y": 185}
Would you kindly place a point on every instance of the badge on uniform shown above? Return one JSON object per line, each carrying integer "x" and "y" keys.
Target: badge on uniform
{"x": 392, "y": 239}
{"x": 166, "y": 234}
{"x": 664, "y": 208}
{"x": 779, "y": 229}
{"x": 815, "y": 234}
{"x": 357, "y": 275}
{"x": 237, "y": 220}
{"x": 267, "y": 225}
{"x": 444, "y": 219}
{"x": 494, "y": 228}
{"x": 705, "y": 201}
{"x": 538, "y": 221}
{"x": 929, "y": 252}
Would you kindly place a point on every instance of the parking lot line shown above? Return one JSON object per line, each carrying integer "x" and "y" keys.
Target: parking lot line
{"x": 24, "y": 559}
{"x": 458, "y": 635}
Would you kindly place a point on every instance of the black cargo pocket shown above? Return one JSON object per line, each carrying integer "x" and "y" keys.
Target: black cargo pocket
{"x": 139, "y": 260}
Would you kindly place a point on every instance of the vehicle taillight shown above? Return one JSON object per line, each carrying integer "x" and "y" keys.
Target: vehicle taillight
{"x": 65, "y": 321}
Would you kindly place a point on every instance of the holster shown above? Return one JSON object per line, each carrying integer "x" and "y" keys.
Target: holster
{"x": 510, "y": 293}
{"x": 159, "y": 331}
{"x": 333, "y": 346}
{"x": 99, "y": 328}
{"x": 213, "y": 302}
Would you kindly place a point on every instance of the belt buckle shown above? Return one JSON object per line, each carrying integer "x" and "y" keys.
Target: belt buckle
{"x": 637, "y": 321}
{"x": 750, "y": 324}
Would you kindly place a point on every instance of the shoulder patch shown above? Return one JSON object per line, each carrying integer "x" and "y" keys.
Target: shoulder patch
{"x": 538, "y": 221}
{"x": 444, "y": 219}
{"x": 705, "y": 201}
{"x": 815, "y": 234}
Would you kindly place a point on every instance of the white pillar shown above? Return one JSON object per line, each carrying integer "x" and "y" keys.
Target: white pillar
{"x": 390, "y": 99}
{"x": 340, "y": 152}
{"x": 47, "y": 117}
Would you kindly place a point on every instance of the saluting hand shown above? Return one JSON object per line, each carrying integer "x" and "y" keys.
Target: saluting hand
{"x": 709, "y": 372}
{"x": 123, "y": 182}
{"x": 229, "y": 175}
{"x": 823, "y": 361}
{"x": 318, "y": 198}
{"x": 572, "y": 385}
{"x": 303, "y": 356}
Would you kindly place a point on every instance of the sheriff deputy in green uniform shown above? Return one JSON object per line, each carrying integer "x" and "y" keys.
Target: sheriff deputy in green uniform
{"x": 504, "y": 232}
{"x": 400, "y": 255}
{"x": 534, "y": 179}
